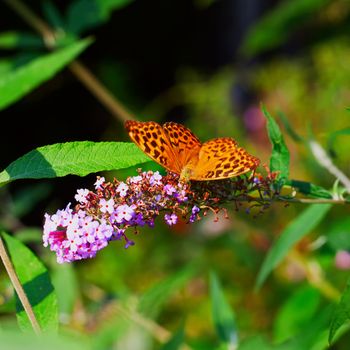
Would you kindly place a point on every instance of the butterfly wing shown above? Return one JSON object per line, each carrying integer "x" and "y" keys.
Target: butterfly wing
{"x": 185, "y": 144}
{"x": 151, "y": 138}
{"x": 221, "y": 158}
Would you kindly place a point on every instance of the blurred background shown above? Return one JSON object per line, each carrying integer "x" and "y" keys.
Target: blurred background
{"x": 208, "y": 64}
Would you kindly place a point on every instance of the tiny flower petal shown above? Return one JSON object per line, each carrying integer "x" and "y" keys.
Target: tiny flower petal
{"x": 99, "y": 182}
{"x": 107, "y": 206}
{"x": 81, "y": 195}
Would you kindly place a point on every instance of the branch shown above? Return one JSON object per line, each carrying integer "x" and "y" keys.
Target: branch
{"x": 18, "y": 287}
{"x": 81, "y": 72}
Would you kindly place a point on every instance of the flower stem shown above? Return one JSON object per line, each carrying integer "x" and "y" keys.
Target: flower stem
{"x": 81, "y": 72}
{"x": 18, "y": 287}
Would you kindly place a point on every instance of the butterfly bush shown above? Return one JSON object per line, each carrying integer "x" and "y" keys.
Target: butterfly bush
{"x": 105, "y": 214}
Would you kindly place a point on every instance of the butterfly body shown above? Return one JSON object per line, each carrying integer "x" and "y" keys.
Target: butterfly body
{"x": 178, "y": 150}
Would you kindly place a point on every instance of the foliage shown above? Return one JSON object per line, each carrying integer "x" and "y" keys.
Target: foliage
{"x": 158, "y": 294}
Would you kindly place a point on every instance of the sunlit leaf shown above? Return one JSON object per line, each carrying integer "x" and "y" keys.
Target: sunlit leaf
{"x": 17, "y": 83}
{"x": 279, "y": 160}
{"x": 36, "y": 282}
{"x": 296, "y": 230}
{"x": 341, "y": 313}
{"x": 223, "y": 316}
{"x": 75, "y": 158}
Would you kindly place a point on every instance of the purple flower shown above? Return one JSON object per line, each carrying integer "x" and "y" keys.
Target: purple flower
{"x": 135, "y": 179}
{"x": 122, "y": 189}
{"x": 104, "y": 215}
{"x": 107, "y": 206}
{"x": 81, "y": 195}
{"x": 195, "y": 210}
{"x": 171, "y": 219}
{"x": 129, "y": 243}
{"x": 155, "y": 179}
{"x": 118, "y": 234}
{"x": 169, "y": 189}
{"x": 123, "y": 212}
{"x": 99, "y": 182}
{"x": 181, "y": 196}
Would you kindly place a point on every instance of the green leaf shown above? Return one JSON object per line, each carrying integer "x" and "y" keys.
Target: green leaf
{"x": 75, "y": 158}
{"x": 297, "y": 313}
{"x": 87, "y": 14}
{"x": 16, "y": 40}
{"x": 176, "y": 340}
{"x": 17, "y": 83}
{"x": 333, "y": 137}
{"x": 14, "y": 340}
{"x": 256, "y": 342}
{"x": 67, "y": 289}
{"x": 288, "y": 127}
{"x": 310, "y": 189}
{"x": 275, "y": 27}
{"x": 36, "y": 282}
{"x": 223, "y": 316}
{"x": 53, "y": 15}
{"x": 153, "y": 299}
{"x": 341, "y": 313}
{"x": 338, "y": 234}
{"x": 30, "y": 235}
{"x": 6, "y": 65}
{"x": 296, "y": 230}
{"x": 279, "y": 160}
{"x": 25, "y": 199}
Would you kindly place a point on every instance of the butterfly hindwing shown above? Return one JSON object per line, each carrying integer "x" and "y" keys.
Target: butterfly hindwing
{"x": 221, "y": 158}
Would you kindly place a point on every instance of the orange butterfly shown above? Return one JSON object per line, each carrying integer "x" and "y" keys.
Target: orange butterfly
{"x": 178, "y": 150}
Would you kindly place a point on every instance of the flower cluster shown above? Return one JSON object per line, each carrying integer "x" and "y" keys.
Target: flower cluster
{"x": 105, "y": 214}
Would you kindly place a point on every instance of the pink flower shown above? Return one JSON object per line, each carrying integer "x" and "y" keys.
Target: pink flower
{"x": 99, "y": 182}
{"x": 135, "y": 179}
{"x": 81, "y": 195}
{"x": 106, "y": 206}
{"x": 342, "y": 260}
{"x": 123, "y": 212}
{"x": 155, "y": 178}
{"x": 171, "y": 219}
{"x": 122, "y": 189}
{"x": 169, "y": 189}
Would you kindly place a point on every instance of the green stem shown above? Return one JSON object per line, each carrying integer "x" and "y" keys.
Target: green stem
{"x": 81, "y": 72}
{"x": 18, "y": 287}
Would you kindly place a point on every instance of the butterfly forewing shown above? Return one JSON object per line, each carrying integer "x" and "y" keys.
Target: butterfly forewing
{"x": 221, "y": 158}
{"x": 153, "y": 141}
{"x": 185, "y": 144}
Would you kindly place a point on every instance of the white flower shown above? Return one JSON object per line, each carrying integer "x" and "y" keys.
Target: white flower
{"x": 81, "y": 195}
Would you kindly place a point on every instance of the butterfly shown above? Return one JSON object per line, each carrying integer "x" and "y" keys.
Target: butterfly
{"x": 177, "y": 149}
